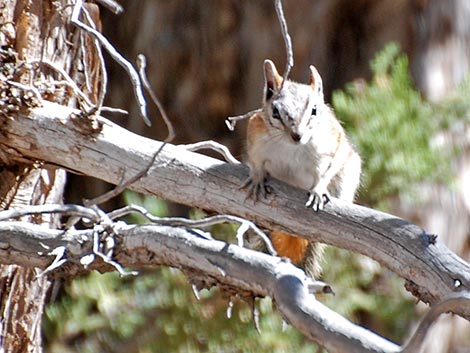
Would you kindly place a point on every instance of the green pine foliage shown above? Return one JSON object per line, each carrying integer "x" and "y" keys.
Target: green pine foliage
{"x": 396, "y": 132}
{"x": 368, "y": 294}
{"x": 392, "y": 126}
{"x": 157, "y": 312}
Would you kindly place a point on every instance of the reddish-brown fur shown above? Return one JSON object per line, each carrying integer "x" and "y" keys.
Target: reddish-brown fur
{"x": 255, "y": 128}
{"x": 290, "y": 246}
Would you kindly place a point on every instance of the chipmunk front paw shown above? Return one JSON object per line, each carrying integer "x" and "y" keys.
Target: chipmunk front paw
{"x": 255, "y": 188}
{"x": 318, "y": 198}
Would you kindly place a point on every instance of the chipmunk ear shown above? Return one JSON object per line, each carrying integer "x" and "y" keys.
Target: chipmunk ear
{"x": 315, "y": 81}
{"x": 272, "y": 79}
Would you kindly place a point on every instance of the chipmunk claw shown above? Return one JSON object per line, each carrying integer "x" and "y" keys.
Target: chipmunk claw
{"x": 256, "y": 188}
{"x": 317, "y": 199}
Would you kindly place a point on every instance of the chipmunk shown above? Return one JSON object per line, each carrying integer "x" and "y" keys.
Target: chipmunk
{"x": 297, "y": 139}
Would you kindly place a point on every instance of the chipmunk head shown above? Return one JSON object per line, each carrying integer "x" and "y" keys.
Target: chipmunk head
{"x": 291, "y": 106}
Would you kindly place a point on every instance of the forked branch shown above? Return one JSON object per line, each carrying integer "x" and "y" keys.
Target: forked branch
{"x": 432, "y": 271}
{"x": 131, "y": 71}
{"x": 231, "y": 267}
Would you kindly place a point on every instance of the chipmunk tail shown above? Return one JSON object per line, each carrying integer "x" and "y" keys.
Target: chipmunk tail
{"x": 300, "y": 251}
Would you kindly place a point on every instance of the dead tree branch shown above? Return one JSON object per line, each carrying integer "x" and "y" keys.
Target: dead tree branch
{"x": 218, "y": 263}
{"x": 229, "y": 266}
{"x": 52, "y": 134}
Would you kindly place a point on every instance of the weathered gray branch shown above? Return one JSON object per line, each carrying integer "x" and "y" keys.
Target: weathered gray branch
{"x": 228, "y": 265}
{"x": 57, "y": 135}
{"x": 60, "y": 136}
{"x": 217, "y": 262}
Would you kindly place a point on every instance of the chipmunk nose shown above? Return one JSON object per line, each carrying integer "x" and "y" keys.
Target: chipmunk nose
{"x": 295, "y": 136}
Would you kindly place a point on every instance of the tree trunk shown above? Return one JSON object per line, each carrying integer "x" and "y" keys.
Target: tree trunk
{"x": 33, "y": 30}
{"x": 22, "y": 296}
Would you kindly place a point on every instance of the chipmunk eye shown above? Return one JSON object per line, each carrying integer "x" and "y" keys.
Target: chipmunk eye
{"x": 276, "y": 114}
{"x": 314, "y": 110}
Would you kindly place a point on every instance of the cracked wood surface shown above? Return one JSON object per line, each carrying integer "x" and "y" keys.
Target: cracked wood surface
{"x": 207, "y": 262}
{"x": 54, "y": 134}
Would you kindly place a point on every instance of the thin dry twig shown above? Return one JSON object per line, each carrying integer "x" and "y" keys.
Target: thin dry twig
{"x": 66, "y": 76}
{"x": 59, "y": 260}
{"x": 315, "y": 287}
{"x": 48, "y": 85}
{"x": 229, "y": 310}
{"x": 104, "y": 75}
{"x": 98, "y": 229}
{"x": 287, "y": 41}
{"x": 190, "y": 223}
{"x": 32, "y": 89}
{"x": 67, "y": 210}
{"x": 114, "y": 110}
{"x": 195, "y": 291}
{"x": 231, "y": 121}
{"x": 214, "y": 146}
{"x": 83, "y": 48}
{"x": 449, "y": 304}
{"x": 141, "y": 62}
{"x": 256, "y": 315}
{"x": 123, "y": 185}
{"x": 141, "y": 65}
{"x": 133, "y": 75}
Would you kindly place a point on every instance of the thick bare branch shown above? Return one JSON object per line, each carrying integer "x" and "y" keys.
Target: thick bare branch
{"x": 230, "y": 266}
{"x": 54, "y": 135}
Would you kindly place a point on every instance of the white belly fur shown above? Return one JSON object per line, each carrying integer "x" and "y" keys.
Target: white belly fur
{"x": 291, "y": 163}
